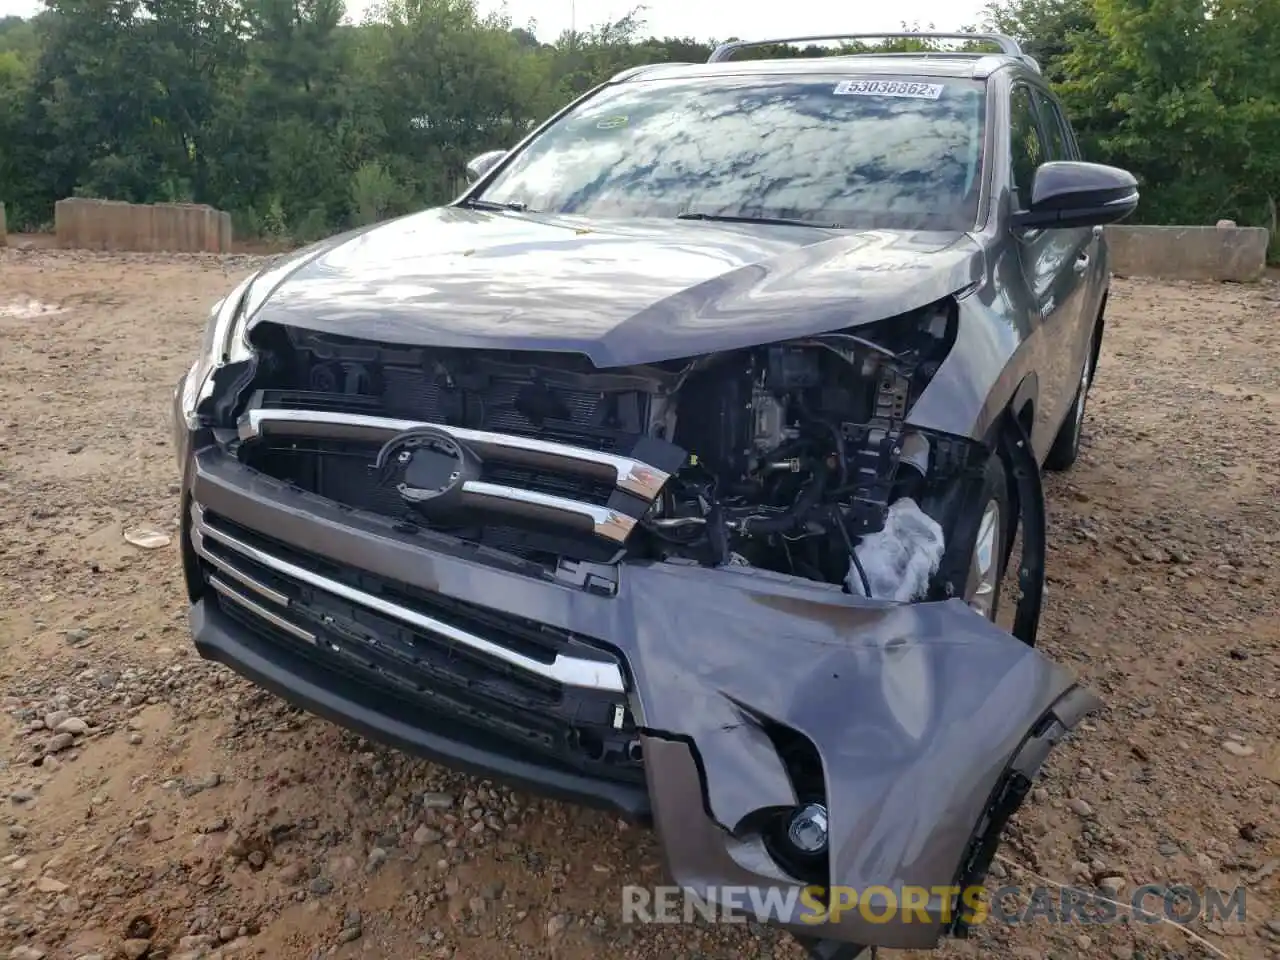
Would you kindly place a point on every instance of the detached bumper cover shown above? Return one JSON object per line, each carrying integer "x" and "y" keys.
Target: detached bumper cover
{"x": 919, "y": 714}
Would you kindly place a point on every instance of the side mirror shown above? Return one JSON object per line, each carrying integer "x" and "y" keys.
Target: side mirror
{"x": 477, "y": 167}
{"x": 1069, "y": 193}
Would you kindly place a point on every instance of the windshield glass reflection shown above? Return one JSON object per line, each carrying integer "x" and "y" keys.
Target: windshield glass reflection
{"x": 819, "y": 150}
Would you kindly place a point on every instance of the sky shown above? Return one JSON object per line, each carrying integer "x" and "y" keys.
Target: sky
{"x": 701, "y": 19}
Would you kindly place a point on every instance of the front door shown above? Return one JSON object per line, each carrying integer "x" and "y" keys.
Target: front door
{"x": 1056, "y": 265}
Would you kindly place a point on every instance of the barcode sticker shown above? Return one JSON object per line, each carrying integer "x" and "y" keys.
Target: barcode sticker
{"x": 888, "y": 88}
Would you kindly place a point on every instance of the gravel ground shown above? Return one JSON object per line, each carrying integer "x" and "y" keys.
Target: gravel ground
{"x": 154, "y": 805}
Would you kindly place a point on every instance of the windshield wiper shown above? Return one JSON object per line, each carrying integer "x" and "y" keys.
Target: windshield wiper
{"x": 478, "y": 204}
{"x": 783, "y": 221}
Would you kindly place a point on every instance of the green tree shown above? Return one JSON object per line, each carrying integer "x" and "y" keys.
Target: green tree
{"x": 1047, "y": 29}
{"x": 1186, "y": 94}
{"x": 121, "y": 94}
{"x": 301, "y": 123}
{"x": 449, "y": 84}
{"x": 13, "y": 87}
{"x": 286, "y": 132}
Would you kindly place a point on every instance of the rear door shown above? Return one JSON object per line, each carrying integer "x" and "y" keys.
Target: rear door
{"x": 1055, "y": 263}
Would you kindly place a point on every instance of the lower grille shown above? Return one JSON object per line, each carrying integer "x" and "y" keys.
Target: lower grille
{"x": 458, "y": 663}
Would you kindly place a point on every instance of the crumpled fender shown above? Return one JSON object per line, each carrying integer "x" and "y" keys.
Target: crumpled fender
{"x": 917, "y": 713}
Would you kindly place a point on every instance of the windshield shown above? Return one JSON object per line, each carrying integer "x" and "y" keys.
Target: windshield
{"x": 902, "y": 153}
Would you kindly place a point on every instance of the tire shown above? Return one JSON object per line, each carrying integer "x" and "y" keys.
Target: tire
{"x": 975, "y": 555}
{"x": 1066, "y": 445}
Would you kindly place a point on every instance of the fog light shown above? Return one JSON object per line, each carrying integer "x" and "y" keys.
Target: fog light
{"x": 807, "y": 831}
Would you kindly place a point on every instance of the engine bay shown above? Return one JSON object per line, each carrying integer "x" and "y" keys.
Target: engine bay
{"x": 799, "y": 449}
{"x": 787, "y": 456}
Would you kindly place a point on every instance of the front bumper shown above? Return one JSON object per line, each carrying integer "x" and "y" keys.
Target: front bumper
{"x": 925, "y": 718}
{"x": 330, "y": 694}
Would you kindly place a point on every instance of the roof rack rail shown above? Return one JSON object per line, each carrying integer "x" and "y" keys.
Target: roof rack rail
{"x": 1007, "y": 44}
{"x": 629, "y": 72}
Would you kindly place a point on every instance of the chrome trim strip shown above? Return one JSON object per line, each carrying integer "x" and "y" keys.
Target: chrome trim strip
{"x": 570, "y": 671}
{"x": 235, "y": 596}
{"x": 257, "y": 423}
{"x": 604, "y": 522}
{"x": 1118, "y": 201}
{"x": 262, "y": 590}
{"x": 627, "y": 474}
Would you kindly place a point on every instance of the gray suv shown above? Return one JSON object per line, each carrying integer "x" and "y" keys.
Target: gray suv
{"x": 675, "y": 468}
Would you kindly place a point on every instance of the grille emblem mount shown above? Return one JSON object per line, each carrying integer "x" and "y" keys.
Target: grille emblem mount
{"x": 430, "y": 468}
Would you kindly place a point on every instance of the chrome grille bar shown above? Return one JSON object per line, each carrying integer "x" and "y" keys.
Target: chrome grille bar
{"x": 626, "y": 473}
{"x": 566, "y": 670}
{"x": 277, "y": 621}
{"x": 602, "y": 521}
{"x": 240, "y": 576}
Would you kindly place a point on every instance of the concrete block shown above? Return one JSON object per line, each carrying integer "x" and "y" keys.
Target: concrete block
{"x": 1189, "y": 253}
{"x": 150, "y": 228}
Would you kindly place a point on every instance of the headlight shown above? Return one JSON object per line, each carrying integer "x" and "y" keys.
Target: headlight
{"x": 224, "y": 337}
{"x": 223, "y": 343}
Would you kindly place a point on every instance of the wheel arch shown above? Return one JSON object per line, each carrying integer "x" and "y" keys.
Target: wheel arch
{"x": 1026, "y": 498}
{"x": 1021, "y": 412}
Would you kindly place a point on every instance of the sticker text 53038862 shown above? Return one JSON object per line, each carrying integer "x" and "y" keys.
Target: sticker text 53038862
{"x": 888, "y": 88}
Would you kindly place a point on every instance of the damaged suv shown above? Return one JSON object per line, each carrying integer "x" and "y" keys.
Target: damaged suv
{"x": 675, "y": 468}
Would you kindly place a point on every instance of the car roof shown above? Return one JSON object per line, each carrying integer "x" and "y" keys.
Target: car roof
{"x": 942, "y": 65}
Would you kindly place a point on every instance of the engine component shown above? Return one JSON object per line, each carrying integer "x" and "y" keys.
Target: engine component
{"x": 769, "y": 422}
{"x": 717, "y": 418}
{"x": 740, "y": 415}
{"x": 879, "y": 446}
{"x": 915, "y": 452}
{"x": 800, "y": 451}
{"x": 793, "y": 368}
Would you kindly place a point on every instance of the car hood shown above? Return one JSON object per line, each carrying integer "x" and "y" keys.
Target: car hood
{"x": 619, "y": 291}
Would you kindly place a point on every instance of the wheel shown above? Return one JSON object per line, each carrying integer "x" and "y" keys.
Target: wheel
{"x": 1066, "y": 445}
{"x": 975, "y": 555}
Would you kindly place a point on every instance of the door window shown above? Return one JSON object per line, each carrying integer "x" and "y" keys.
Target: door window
{"x": 1055, "y": 128}
{"x": 1026, "y": 146}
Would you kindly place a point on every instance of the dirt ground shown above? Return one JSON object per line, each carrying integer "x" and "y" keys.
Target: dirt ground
{"x": 154, "y": 805}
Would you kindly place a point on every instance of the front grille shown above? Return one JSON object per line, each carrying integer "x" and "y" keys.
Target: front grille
{"x": 343, "y": 472}
{"x": 532, "y": 685}
{"x": 536, "y": 496}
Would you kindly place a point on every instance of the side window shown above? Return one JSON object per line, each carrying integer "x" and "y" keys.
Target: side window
{"x": 1055, "y": 128}
{"x": 1026, "y": 148}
